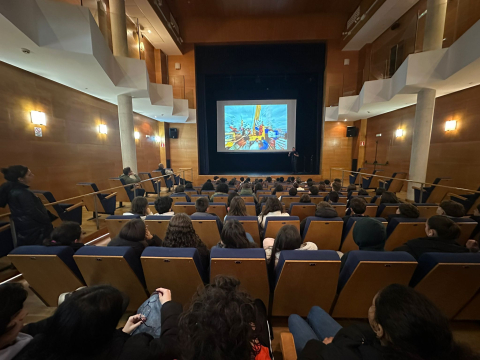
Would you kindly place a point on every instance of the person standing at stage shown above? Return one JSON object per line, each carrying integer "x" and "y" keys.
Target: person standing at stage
{"x": 293, "y": 157}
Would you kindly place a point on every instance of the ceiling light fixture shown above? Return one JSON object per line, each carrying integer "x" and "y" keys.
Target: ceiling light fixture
{"x": 399, "y": 133}
{"x": 38, "y": 118}
{"x": 450, "y": 125}
{"x": 102, "y": 129}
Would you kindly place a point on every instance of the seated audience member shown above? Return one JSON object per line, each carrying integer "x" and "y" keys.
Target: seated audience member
{"x": 208, "y": 186}
{"x": 299, "y": 187}
{"x": 351, "y": 188}
{"x": 268, "y": 179}
{"x": 231, "y": 182}
{"x": 136, "y": 235}
{"x": 309, "y": 183}
{"x": 363, "y": 192}
{"x": 247, "y": 190}
{"x": 403, "y": 325}
{"x": 12, "y": 316}
{"x": 162, "y": 169}
{"x": 314, "y": 190}
{"x": 258, "y": 186}
{"x": 305, "y": 198}
{"x": 221, "y": 189}
{"x": 163, "y": 205}
{"x": 332, "y": 197}
{"x": 237, "y": 207}
{"x": 291, "y": 192}
{"x": 69, "y": 233}
{"x": 140, "y": 207}
{"x": 233, "y": 236}
{"x": 273, "y": 207}
{"x": 224, "y": 322}
{"x": 230, "y": 198}
{"x": 277, "y": 188}
{"x": 378, "y": 193}
{"x": 180, "y": 190}
{"x": 357, "y": 208}
{"x": 201, "y": 209}
{"x": 281, "y": 179}
{"x": 442, "y": 234}
{"x": 84, "y": 326}
{"x": 336, "y": 186}
{"x": 181, "y": 234}
{"x": 451, "y": 209}
{"x": 389, "y": 198}
{"x": 337, "y": 180}
{"x": 406, "y": 211}
{"x": 189, "y": 186}
{"x": 129, "y": 176}
{"x": 288, "y": 238}
{"x": 216, "y": 179}
{"x": 369, "y": 234}
{"x": 323, "y": 210}
{"x": 321, "y": 186}
{"x": 327, "y": 182}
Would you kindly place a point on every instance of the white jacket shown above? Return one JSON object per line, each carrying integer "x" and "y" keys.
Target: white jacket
{"x": 268, "y": 246}
{"x": 275, "y": 213}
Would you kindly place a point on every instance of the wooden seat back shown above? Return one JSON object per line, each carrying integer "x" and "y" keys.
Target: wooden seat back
{"x": 397, "y": 183}
{"x": 343, "y": 200}
{"x": 122, "y": 195}
{"x": 274, "y": 226}
{"x": 176, "y": 199}
{"x": 147, "y": 185}
{"x": 219, "y": 209}
{"x": 427, "y": 211}
{"x": 207, "y": 192}
{"x": 340, "y": 208}
{"x": 389, "y": 210}
{"x": 303, "y": 211}
{"x": 252, "y": 272}
{"x": 115, "y": 225}
{"x": 248, "y": 198}
{"x": 466, "y": 229}
{"x": 47, "y": 275}
{"x": 184, "y": 208}
{"x": 251, "y": 210}
{"x": 316, "y": 200}
{"x": 207, "y": 230}
{"x": 405, "y": 232}
{"x": 220, "y": 199}
{"x": 471, "y": 311}
{"x": 88, "y": 200}
{"x": 371, "y": 210}
{"x": 348, "y": 244}
{"x": 178, "y": 274}
{"x": 287, "y": 200}
{"x": 293, "y": 292}
{"x": 158, "y": 225}
{"x": 368, "y": 278}
{"x": 439, "y": 193}
{"x": 114, "y": 271}
{"x": 326, "y": 234}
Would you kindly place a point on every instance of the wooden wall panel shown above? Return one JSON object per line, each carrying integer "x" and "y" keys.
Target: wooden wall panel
{"x": 149, "y": 56}
{"x": 337, "y": 147}
{"x": 452, "y": 154}
{"x": 71, "y": 149}
{"x": 184, "y": 150}
{"x": 183, "y": 80}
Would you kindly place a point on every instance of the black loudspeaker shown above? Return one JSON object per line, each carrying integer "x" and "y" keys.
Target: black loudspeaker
{"x": 173, "y": 133}
{"x": 354, "y": 164}
{"x": 352, "y": 131}
{"x": 168, "y": 164}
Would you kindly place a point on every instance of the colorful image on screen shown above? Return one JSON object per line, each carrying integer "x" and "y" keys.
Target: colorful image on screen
{"x": 256, "y": 127}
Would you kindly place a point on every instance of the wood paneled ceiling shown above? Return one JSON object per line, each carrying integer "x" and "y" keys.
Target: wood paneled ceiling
{"x": 186, "y": 9}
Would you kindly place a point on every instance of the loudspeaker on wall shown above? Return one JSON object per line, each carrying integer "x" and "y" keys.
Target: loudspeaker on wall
{"x": 173, "y": 133}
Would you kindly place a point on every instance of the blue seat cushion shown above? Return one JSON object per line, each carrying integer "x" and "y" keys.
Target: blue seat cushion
{"x": 158, "y": 217}
{"x": 395, "y": 221}
{"x": 65, "y": 253}
{"x": 185, "y": 203}
{"x": 428, "y": 261}
{"x": 310, "y": 255}
{"x": 124, "y": 251}
{"x": 203, "y": 217}
{"x": 122, "y": 217}
{"x": 155, "y": 251}
{"x": 241, "y": 218}
{"x": 311, "y": 219}
{"x": 382, "y": 207}
{"x": 356, "y": 256}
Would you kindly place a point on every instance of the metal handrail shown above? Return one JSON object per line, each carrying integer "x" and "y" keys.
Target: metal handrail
{"x": 406, "y": 180}
{"x": 100, "y": 192}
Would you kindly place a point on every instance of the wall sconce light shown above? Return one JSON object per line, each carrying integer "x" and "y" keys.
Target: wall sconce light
{"x": 102, "y": 129}
{"x": 137, "y": 135}
{"x": 142, "y": 47}
{"x": 450, "y": 125}
{"x": 38, "y": 118}
{"x": 157, "y": 138}
{"x": 399, "y": 133}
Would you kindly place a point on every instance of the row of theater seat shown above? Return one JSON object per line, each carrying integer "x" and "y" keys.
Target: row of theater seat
{"x": 326, "y": 233}
{"x": 301, "y": 280}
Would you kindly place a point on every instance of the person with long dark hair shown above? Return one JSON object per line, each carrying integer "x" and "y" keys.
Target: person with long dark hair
{"x": 442, "y": 234}
{"x": 403, "y": 325}
{"x": 84, "y": 326}
{"x": 233, "y": 236}
{"x": 140, "y": 207}
{"x": 389, "y": 198}
{"x": 69, "y": 233}
{"x": 273, "y": 207}
{"x": 181, "y": 234}
{"x": 33, "y": 222}
{"x": 136, "y": 235}
{"x": 224, "y": 322}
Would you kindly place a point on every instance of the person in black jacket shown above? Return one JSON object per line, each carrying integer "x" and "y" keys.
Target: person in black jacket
{"x": 180, "y": 191}
{"x": 84, "y": 327}
{"x": 405, "y": 211}
{"x": 403, "y": 325}
{"x": 208, "y": 186}
{"x": 136, "y": 235}
{"x": 357, "y": 208}
{"x": 442, "y": 233}
{"x": 69, "y": 233}
{"x": 33, "y": 222}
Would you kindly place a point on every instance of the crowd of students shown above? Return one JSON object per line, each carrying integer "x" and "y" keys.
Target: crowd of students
{"x": 223, "y": 321}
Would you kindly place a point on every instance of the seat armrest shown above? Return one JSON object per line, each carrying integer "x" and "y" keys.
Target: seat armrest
{"x": 365, "y": 178}
{"x": 73, "y": 207}
{"x": 417, "y": 188}
{"x": 288, "y": 346}
{"x": 5, "y": 227}
{"x": 111, "y": 195}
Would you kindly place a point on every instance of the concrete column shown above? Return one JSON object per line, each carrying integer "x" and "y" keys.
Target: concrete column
{"x": 127, "y": 137}
{"x": 435, "y": 24}
{"x": 422, "y": 132}
{"x": 118, "y": 20}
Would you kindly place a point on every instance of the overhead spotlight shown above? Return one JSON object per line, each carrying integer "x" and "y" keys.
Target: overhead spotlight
{"x": 399, "y": 133}
{"x": 149, "y": 31}
{"x": 102, "y": 129}
{"x": 450, "y": 125}
{"x": 137, "y": 135}
{"x": 38, "y": 118}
